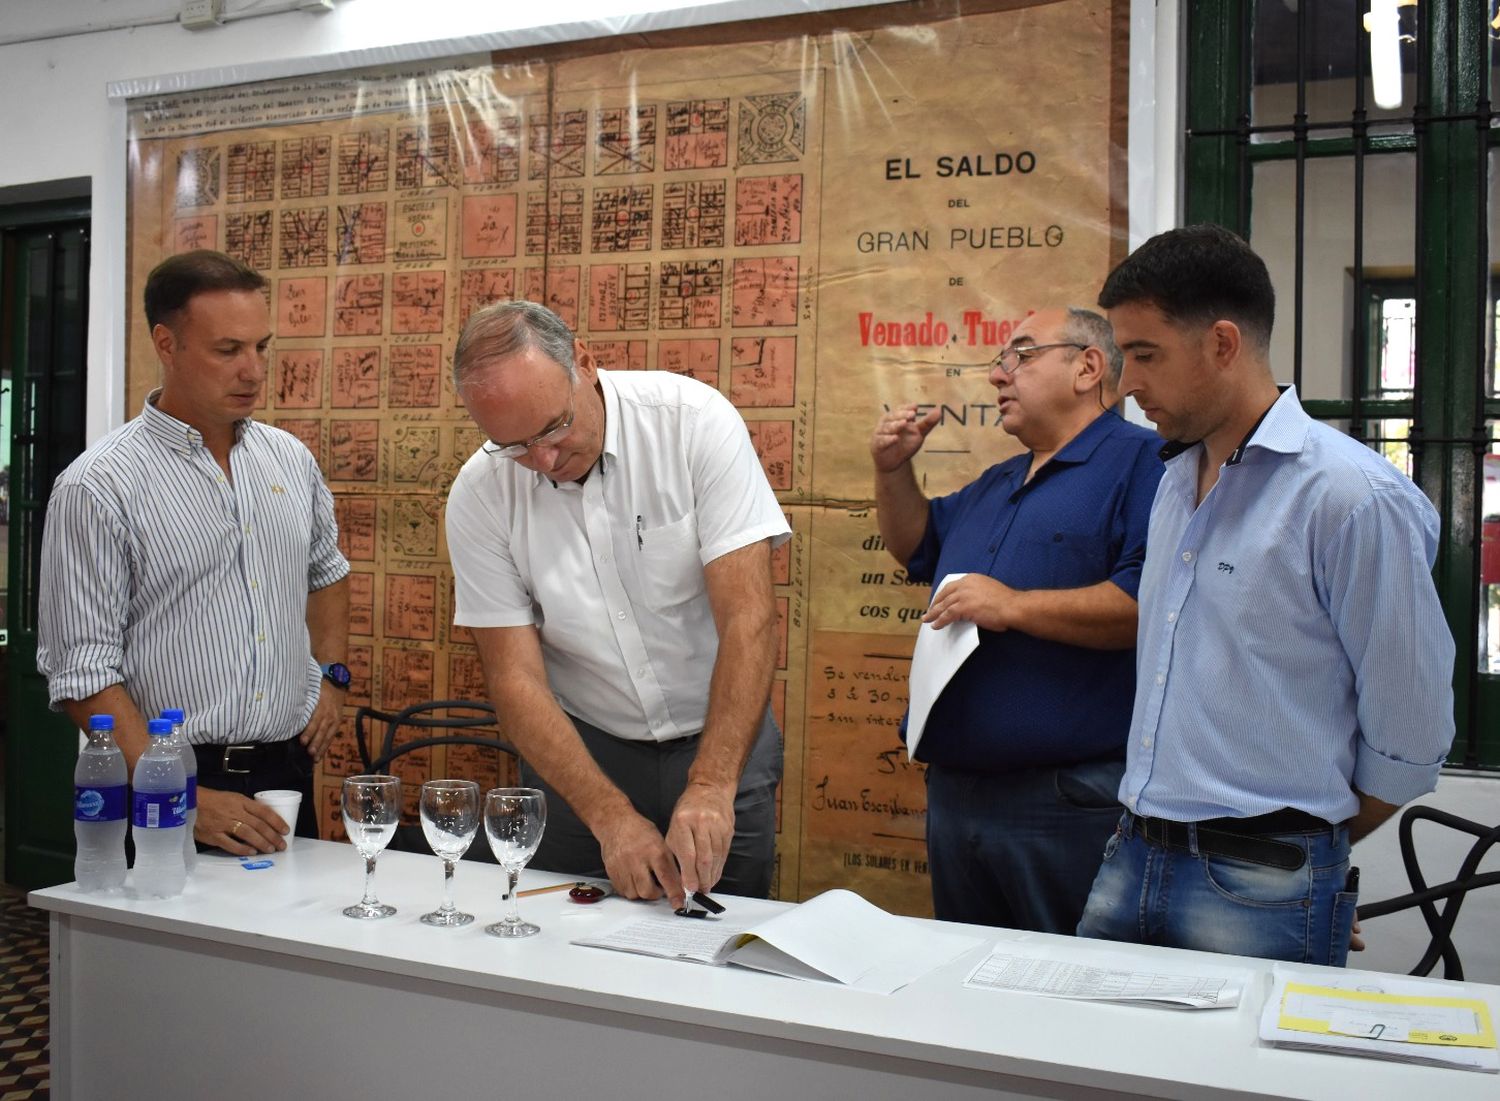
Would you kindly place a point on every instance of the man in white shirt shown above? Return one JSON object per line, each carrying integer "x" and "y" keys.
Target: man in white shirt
{"x": 611, "y": 554}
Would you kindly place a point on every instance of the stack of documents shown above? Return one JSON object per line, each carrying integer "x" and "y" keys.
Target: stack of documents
{"x": 1101, "y": 975}
{"x": 1382, "y": 1016}
{"x": 835, "y": 937}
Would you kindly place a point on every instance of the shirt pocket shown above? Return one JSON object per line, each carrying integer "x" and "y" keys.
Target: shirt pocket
{"x": 1059, "y": 559}
{"x": 670, "y": 570}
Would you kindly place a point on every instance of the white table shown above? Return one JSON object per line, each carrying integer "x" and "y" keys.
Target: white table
{"x": 253, "y": 985}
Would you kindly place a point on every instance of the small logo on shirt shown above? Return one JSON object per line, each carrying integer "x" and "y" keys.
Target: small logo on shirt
{"x": 1225, "y": 567}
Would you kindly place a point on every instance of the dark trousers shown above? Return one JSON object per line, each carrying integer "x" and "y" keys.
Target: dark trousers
{"x": 263, "y": 767}
{"x": 653, "y": 775}
{"x": 1019, "y": 849}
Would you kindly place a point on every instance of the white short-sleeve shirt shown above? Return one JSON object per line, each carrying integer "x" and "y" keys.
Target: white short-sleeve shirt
{"x": 611, "y": 571}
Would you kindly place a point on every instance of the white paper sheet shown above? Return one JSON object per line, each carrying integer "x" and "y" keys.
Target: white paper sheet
{"x": 1104, "y": 977}
{"x": 934, "y": 661}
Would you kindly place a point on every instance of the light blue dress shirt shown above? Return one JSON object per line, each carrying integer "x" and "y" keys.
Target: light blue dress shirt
{"x": 1291, "y": 646}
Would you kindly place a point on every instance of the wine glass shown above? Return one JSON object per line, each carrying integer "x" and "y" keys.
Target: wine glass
{"x": 514, "y": 819}
{"x": 372, "y": 806}
{"x": 450, "y": 819}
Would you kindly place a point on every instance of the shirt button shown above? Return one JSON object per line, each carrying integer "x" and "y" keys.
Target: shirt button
{"x": 1146, "y": 741}
{"x": 258, "y": 696}
{"x": 1160, "y": 679}
{"x": 1131, "y": 802}
{"x": 260, "y": 638}
{"x": 247, "y": 529}
{"x": 1187, "y": 556}
{"x": 255, "y": 584}
{"x": 604, "y": 558}
{"x": 619, "y": 615}
{"x": 641, "y": 672}
{"x": 1171, "y": 617}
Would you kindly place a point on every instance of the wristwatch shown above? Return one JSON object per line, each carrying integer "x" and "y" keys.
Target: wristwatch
{"x": 336, "y": 673}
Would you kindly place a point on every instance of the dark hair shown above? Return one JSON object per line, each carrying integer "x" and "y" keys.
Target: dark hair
{"x": 1198, "y": 275}
{"x": 174, "y": 282}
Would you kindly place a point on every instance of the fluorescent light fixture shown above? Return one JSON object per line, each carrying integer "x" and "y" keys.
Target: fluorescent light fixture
{"x": 1384, "y": 24}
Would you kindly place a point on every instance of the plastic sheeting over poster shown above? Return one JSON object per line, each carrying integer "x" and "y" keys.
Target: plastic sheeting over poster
{"x": 819, "y": 215}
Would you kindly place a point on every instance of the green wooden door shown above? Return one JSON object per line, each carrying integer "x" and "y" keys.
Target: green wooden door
{"x": 44, "y": 268}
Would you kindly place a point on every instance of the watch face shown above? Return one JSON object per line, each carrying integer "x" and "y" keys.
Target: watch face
{"x": 338, "y": 674}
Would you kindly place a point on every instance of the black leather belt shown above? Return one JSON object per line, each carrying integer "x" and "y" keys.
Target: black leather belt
{"x": 1237, "y": 838}
{"x": 240, "y": 760}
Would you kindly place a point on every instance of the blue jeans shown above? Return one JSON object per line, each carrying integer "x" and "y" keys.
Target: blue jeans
{"x": 1018, "y": 849}
{"x": 1147, "y": 894}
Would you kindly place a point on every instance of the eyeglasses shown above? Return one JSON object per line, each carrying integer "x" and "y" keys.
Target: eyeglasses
{"x": 553, "y": 435}
{"x": 1011, "y": 360}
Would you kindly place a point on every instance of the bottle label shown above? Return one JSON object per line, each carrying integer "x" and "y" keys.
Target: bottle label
{"x": 192, "y": 793}
{"x": 158, "y": 810}
{"x": 94, "y": 804}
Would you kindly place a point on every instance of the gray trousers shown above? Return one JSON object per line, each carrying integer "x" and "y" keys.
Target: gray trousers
{"x": 653, "y": 776}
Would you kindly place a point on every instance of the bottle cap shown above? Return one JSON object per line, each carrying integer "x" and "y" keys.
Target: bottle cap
{"x": 173, "y": 714}
{"x": 159, "y": 728}
{"x": 101, "y": 722}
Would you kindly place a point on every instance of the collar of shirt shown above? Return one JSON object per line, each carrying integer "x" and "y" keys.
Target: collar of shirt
{"x": 1075, "y": 452}
{"x": 176, "y": 435}
{"x": 1282, "y": 429}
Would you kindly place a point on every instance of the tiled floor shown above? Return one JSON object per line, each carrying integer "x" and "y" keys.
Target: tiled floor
{"x": 23, "y": 999}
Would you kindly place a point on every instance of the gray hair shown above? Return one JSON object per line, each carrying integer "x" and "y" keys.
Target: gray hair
{"x": 1087, "y": 327}
{"x": 503, "y": 329}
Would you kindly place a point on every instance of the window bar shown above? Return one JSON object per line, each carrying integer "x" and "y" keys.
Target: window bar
{"x": 1299, "y": 137}
{"x": 1243, "y": 128}
{"x": 1359, "y": 365}
{"x": 1419, "y": 326}
{"x": 1486, "y": 323}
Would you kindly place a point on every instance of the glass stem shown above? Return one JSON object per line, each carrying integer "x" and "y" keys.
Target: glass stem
{"x": 447, "y": 886}
{"x": 369, "y": 899}
{"x": 514, "y": 917}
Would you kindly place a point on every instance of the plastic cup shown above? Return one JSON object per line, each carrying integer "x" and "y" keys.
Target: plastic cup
{"x": 284, "y": 802}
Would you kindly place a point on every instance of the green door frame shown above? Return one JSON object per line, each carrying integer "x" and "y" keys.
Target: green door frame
{"x": 1452, "y": 139}
{"x": 44, "y": 270}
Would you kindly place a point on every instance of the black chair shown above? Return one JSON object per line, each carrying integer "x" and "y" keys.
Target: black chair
{"x": 430, "y": 715}
{"x": 1440, "y": 921}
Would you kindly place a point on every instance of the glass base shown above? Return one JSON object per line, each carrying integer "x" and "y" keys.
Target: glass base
{"x": 369, "y": 912}
{"x": 447, "y": 918}
{"x": 512, "y": 929}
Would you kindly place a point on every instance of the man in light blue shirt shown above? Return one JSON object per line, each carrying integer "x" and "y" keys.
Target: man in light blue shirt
{"x": 1294, "y": 667}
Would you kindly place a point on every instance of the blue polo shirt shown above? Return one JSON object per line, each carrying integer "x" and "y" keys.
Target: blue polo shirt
{"x": 1021, "y": 701}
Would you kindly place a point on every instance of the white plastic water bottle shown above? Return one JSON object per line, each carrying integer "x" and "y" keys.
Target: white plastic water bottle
{"x": 158, "y": 813}
{"x": 178, "y": 719}
{"x": 100, "y": 799}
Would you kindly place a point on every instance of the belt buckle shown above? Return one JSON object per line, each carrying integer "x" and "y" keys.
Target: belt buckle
{"x": 227, "y": 769}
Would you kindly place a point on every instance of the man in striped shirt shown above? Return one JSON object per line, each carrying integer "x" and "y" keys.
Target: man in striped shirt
{"x": 191, "y": 560}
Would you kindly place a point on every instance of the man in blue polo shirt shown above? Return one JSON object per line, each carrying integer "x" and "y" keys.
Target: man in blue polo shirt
{"x": 1025, "y": 746}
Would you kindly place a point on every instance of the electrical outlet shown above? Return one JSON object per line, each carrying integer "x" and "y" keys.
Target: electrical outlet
{"x": 197, "y": 15}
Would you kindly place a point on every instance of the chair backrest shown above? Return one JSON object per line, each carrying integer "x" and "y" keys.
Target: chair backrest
{"x": 1440, "y": 922}
{"x": 438, "y": 715}
{"x": 452, "y": 723}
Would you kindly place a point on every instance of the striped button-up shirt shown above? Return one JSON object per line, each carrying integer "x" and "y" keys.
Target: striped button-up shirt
{"x": 187, "y": 587}
{"x": 1291, "y": 646}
